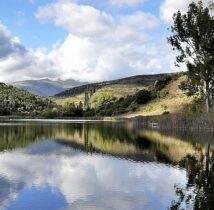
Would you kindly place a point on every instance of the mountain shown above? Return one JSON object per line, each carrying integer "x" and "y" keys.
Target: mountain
{"x": 46, "y": 87}
{"x": 14, "y": 101}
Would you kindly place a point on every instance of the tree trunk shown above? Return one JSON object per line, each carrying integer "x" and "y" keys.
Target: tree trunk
{"x": 207, "y": 96}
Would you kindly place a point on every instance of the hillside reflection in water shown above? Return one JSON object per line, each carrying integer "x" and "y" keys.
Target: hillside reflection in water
{"x": 103, "y": 165}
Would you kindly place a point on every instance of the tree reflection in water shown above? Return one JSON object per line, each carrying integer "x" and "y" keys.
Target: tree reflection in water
{"x": 199, "y": 190}
{"x": 188, "y": 150}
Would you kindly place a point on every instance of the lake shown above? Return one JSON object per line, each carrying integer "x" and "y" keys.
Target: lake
{"x": 98, "y": 165}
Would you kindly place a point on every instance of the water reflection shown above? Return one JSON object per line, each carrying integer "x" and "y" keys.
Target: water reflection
{"x": 98, "y": 166}
{"x": 199, "y": 190}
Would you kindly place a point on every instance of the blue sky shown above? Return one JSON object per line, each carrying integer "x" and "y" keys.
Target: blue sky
{"x": 87, "y": 40}
{"x": 18, "y": 16}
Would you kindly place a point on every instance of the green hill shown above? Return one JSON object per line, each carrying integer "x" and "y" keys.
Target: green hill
{"x": 170, "y": 99}
{"x": 108, "y": 89}
{"x": 14, "y": 102}
{"x": 126, "y": 97}
{"x": 129, "y": 97}
{"x": 124, "y": 84}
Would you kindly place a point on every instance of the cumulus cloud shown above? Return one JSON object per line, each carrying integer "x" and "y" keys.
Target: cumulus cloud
{"x": 8, "y": 44}
{"x": 17, "y": 62}
{"x": 81, "y": 20}
{"x": 169, "y": 7}
{"x": 81, "y": 179}
{"x": 99, "y": 46}
{"x": 87, "y": 21}
{"x": 120, "y": 3}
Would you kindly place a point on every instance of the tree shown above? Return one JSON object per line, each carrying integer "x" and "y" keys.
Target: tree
{"x": 199, "y": 190}
{"x": 193, "y": 37}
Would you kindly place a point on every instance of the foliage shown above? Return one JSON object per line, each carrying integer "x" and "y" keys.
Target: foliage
{"x": 102, "y": 98}
{"x": 198, "y": 192}
{"x": 188, "y": 88}
{"x": 104, "y": 103}
{"x": 123, "y": 105}
{"x": 193, "y": 37}
{"x": 161, "y": 83}
{"x": 15, "y": 101}
{"x": 143, "y": 96}
{"x": 68, "y": 110}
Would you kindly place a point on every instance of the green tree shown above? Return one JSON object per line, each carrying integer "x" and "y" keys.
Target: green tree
{"x": 198, "y": 194}
{"x": 193, "y": 37}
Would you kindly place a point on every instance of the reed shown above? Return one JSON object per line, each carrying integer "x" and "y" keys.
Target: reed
{"x": 179, "y": 121}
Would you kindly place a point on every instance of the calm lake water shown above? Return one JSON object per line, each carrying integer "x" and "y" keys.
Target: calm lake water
{"x": 103, "y": 166}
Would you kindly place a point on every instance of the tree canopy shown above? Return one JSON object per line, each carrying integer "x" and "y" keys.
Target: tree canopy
{"x": 193, "y": 37}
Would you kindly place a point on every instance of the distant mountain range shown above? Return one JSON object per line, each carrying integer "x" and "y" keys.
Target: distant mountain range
{"x": 47, "y": 87}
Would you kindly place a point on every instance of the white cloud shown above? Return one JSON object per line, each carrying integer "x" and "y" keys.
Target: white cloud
{"x": 17, "y": 62}
{"x": 81, "y": 20}
{"x": 98, "y": 46}
{"x": 169, "y": 7}
{"x": 131, "y": 3}
{"x": 84, "y": 59}
{"x": 8, "y": 44}
{"x": 87, "y": 21}
{"x": 81, "y": 178}
{"x": 140, "y": 21}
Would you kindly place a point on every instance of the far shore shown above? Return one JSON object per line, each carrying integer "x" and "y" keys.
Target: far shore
{"x": 180, "y": 121}
{"x": 80, "y": 119}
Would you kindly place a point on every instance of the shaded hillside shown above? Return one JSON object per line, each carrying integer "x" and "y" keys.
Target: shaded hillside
{"x": 133, "y": 96}
{"x": 135, "y": 81}
{"x": 15, "y": 101}
{"x": 46, "y": 87}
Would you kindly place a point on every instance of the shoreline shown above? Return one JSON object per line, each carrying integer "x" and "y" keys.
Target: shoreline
{"x": 201, "y": 122}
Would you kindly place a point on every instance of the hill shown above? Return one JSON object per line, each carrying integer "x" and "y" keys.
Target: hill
{"x": 170, "y": 99}
{"x": 108, "y": 89}
{"x": 46, "y": 87}
{"x": 20, "y": 102}
{"x": 138, "y": 81}
{"x": 132, "y": 96}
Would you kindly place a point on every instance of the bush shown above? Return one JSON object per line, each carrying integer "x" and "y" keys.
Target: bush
{"x": 106, "y": 112}
{"x": 143, "y": 96}
{"x": 166, "y": 113}
{"x": 161, "y": 83}
{"x": 163, "y": 93}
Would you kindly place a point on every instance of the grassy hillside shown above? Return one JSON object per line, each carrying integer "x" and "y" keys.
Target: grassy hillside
{"x": 171, "y": 99}
{"x": 46, "y": 87}
{"x": 129, "y": 97}
{"x": 116, "y": 88}
{"x": 135, "y": 81}
{"x": 15, "y": 101}
{"x": 113, "y": 95}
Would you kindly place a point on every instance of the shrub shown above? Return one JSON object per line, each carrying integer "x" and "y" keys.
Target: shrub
{"x": 163, "y": 93}
{"x": 106, "y": 112}
{"x": 161, "y": 83}
{"x": 166, "y": 113}
{"x": 143, "y": 96}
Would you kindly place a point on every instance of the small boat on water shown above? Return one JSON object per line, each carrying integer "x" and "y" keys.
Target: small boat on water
{"x": 154, "y": 124}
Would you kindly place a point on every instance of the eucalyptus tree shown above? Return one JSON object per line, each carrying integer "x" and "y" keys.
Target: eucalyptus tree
{"x": 193, "y": 37}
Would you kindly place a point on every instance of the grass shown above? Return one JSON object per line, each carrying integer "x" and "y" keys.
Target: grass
{"x": 174, "y": 102}
{"x": 174, "y": 148}
{"x": 110, "y": 91}
{"x": 171, "y": 99}
{"x": 74, "y": 99}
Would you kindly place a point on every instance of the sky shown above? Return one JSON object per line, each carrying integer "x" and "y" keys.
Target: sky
{"x": 86, "y": 40}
